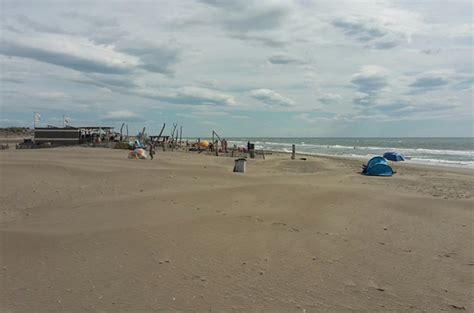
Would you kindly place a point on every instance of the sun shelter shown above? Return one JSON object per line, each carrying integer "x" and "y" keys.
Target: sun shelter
{"x": 203, "y": 144}
{"x": 137, "y": 154}
{"x": 394, "y": 156}
{"x": 377, "y": 166}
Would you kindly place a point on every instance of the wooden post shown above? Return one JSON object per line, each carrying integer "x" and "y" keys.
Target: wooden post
{"x": 174, "y": 129}
{"x": 180, "y": 134}
{"x": 172, "y": 136}
{"x": 293, "y": 148}
{"x": 161, "y": 132}
{"x": 142, "y": 136}
{"x": 121, "y": 134}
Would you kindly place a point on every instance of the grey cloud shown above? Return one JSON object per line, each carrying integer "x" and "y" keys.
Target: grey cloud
{"x": 12, "y": 29}
{"x": 271, "y": 97}
{"x": 39, "y": 27}
{"x": 284, "y": 59}
{"x": 465, "y": 84}
{"x": 152, "y": 59}
{"x": 251, "y": 21}
{"x": 266, "y": 19}
{"x": 408, "y": 109}
{"x": 190, "y": 96}
{"x": 429, "y": 82}
{"x": 11, "y": 80}
{"x": 122, "y": 116}
{"x": 260, "y": 39}
{"x": 359, "y": 30}
{"x": 99, "y": 29}
{"x": 155, "y": 59}
{"x": 431, "y": 51}
{"x": 365, "y": 101}
{"x": 96, "y": 21}
{"x": 107, "y": 36}
{"x": 368, "y": 32}
{"x": 386, "y": 44}
{"x": 369, "y": 84}
{"x": 370, "y": 81}
{"x": 107, "y": 80}
{"x": 330, "y": 98}
{"x": 59, "y": 58}
{"x": 222, "y": 3}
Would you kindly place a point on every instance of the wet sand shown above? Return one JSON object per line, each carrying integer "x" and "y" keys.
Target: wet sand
{"x": 88, "y": 230}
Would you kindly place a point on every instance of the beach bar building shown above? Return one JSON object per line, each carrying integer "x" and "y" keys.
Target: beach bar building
{"x": 57, "y": 136}
{"x": 60, "y": 136}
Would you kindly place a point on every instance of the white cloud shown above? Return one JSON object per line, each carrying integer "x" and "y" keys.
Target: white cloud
{"x": 122, "y": 116}
{"x": 72, "y": 52}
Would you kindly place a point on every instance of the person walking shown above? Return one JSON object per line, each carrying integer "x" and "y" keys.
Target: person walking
{"x": 152, "y": 150}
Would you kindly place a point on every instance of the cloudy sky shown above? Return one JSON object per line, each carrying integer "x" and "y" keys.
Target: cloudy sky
{"x": 243, "y": 68}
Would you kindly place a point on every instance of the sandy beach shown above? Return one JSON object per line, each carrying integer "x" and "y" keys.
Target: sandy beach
{"x": 88, "y": 230}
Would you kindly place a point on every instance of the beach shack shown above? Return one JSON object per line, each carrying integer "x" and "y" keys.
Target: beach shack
{"x": 57, "y": 136}
{"x": 94, "y": 134}
{"x": 61, "y": 136}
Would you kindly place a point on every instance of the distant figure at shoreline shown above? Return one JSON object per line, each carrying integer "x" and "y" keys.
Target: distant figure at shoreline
{"x": 152, "y": 150}
{"x": 224, "y": 145}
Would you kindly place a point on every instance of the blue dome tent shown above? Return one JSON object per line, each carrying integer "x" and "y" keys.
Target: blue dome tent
{"x": 377, "y": 166}
{"x": 394, "y": 156}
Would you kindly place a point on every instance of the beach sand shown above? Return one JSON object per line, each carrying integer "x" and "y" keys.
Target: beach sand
{"x": 88, "y": 230}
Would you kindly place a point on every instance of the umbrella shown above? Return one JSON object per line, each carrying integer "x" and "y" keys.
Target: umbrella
{"x": 394, "y": 156}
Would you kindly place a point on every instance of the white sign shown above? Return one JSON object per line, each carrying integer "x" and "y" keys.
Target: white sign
{"x": 37, "y": 118}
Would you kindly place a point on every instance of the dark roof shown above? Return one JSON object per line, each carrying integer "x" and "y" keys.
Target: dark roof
{"x": 95, "y": 127}
{"x": 80, "y": 127}
{"x": 55, "y": 128}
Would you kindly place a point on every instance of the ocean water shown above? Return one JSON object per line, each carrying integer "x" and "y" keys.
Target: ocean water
{"x": 437, "y": 151}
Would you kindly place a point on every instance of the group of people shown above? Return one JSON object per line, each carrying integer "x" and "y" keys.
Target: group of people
{"x": 212, "y": 146}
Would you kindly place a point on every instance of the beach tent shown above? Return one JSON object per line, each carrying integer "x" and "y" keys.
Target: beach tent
{"x": 377, "y": 166}
{"x": 376, "y": 160}
{"x": 138, "y": 144}
{"x": 204, "y": 144}
{"x": 135, "y": 144}
{"x": 137, "y": 154}
{"x": 394, "y": 156}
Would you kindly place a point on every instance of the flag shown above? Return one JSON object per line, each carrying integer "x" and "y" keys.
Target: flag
{"x": 67, "y": 121}
{"x": 37, "y": 117}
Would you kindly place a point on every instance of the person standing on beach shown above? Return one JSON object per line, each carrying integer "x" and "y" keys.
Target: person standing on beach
{"x": 224, "y": 145}
{"x": 152, "y": 150}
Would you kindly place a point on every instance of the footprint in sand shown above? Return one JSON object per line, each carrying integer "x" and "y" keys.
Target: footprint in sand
{"x": 291, "y": 229}
{"x": 447, "y": 255}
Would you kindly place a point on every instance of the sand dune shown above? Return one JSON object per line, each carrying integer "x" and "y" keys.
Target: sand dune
{"x": 88, "y": 230}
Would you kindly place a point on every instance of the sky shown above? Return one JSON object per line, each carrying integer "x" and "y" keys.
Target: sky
{"x": 300, "y": 68}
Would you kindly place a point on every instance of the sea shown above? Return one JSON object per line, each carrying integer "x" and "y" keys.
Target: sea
{"x": 456, "y": 152}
